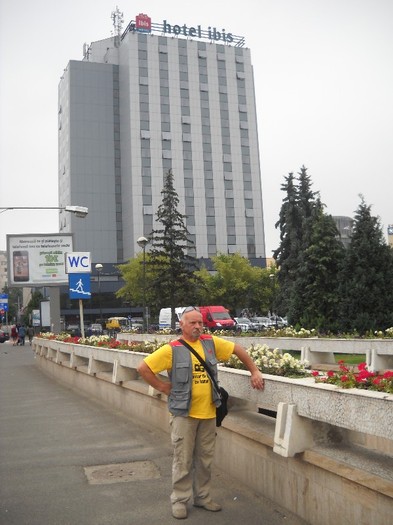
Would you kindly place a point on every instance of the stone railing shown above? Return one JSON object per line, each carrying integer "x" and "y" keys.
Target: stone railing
{"x": 352, "y": 409}
{"x": 378, "y": 352}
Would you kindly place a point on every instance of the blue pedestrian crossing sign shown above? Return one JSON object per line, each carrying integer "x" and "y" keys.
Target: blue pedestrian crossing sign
{"x": 79, "y": 286}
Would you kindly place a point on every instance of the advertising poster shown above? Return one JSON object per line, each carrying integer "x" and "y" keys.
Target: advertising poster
{"x": 36, "y": 318}
{"x": 38, "y": 259}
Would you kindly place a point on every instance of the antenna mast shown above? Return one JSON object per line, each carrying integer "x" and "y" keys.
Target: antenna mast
{"x": 117, "y": 21}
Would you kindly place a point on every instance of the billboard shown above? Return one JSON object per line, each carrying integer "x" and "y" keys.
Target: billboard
{"x": 38, "y": 259}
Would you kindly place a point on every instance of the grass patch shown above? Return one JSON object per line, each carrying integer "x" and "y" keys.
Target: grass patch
{"x": 349, "y": 359}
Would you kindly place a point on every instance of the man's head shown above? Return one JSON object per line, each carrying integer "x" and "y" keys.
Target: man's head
{"x": 191, "y": 323}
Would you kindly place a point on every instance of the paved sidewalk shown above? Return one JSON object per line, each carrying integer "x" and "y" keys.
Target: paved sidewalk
{"x": 50, "y": 435}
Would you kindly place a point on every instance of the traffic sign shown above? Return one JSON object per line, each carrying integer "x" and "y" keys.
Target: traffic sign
{"x": 79, "y": 286}
{"x": 77, "y": 262}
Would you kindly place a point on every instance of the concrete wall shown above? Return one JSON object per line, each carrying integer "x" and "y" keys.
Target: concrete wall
{"x": 340, "y": 476}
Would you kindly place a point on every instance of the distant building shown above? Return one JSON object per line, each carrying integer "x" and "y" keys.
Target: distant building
{"x": 390, "y": 235}
{"x": 344, "y": 226}
{"x": 3, "y": 270}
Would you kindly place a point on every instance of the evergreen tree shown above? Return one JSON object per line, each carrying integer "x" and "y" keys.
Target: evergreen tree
{"x": 367, "y": 277}
{"x": 318, "y": 282}
{"x": 287, "y": 253}
{"x": 299, "y": 209}
{"x": 173, "y": 267}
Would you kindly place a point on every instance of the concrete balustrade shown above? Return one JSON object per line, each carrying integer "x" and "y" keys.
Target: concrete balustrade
{"x": 317, "y": 351}
{"x": 317, "y": 442}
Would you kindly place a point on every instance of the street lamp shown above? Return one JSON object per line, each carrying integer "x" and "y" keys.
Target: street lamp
{"x": 99, "y": 269}
{"x": 78, "y": 211}
{"x": 142, "y": 241}
{"x": 272, "y": 277}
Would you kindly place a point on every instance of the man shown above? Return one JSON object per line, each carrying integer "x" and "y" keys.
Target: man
{"x": 190, "y": 401}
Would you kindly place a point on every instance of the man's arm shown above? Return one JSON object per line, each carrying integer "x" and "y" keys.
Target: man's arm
{"x": 154, "y": 381}
{"x": 256, "y": 375}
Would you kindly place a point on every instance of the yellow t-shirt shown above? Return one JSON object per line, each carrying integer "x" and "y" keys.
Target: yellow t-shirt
{"x": 202, "y": 406}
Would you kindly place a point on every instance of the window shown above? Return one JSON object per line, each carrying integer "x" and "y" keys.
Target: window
{"x": 143, "y": 72}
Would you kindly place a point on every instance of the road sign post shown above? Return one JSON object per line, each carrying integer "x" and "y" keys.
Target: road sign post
{"x": 78, "y": 267}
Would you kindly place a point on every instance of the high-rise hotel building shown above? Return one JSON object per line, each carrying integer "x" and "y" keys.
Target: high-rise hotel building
{"x": 158, "y": 97}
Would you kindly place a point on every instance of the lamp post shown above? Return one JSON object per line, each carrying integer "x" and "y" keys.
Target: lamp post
{"x": 142, "y": 241}
{"x": 99, "y": 269}
{"x": 272, "y": 277}
{"x": 78, "y": 211}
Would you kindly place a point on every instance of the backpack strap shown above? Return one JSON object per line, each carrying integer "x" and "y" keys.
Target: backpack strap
{"x": 203, "y": 362}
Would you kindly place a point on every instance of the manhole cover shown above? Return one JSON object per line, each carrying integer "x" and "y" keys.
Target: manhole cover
{"x": 122, "y": 472}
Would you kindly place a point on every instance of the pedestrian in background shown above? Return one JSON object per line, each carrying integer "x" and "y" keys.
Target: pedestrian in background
{"x": 192, "y": 403}
{"x": 14, "y": 335}
{"x": 22, "y": 335}
{"x": 30, "y": 333}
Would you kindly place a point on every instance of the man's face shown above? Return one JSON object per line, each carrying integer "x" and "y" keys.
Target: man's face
{"x": 192, "y": 325}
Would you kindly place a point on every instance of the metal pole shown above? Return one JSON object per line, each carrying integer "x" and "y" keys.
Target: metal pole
{"x": 99, "y": 295}
{"x": 142, "y": 241}
{"x": 144, "y": 290}
{"x": 81, "y": 318}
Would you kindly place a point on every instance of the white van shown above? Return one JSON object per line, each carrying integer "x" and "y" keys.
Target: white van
{"x": 164, "y": 320}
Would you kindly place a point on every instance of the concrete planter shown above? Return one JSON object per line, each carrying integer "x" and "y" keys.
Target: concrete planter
{"x": 352, "y": 409}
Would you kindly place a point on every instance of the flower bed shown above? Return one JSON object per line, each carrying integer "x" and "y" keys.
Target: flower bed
{"x": 359, "y": 377}
{"x": 272, "y": 362}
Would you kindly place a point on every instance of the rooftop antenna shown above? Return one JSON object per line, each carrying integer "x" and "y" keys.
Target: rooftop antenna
{"x": 117, "y": 21}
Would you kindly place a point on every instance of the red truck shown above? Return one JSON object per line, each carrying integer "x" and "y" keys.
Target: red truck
{"x": 216, "y": 318}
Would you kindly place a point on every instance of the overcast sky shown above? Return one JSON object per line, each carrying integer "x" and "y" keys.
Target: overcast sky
{"x": 323, "y": 83}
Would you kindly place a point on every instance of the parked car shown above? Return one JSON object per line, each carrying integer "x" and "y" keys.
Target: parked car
{"x": 4, "y": 336}
{"x": 74, "y": 330}
{"x": 278, "y": 322}
{"x": 246, "y": 325}
{"x": 261, "y": 322}
{"x": 95, "y": 329}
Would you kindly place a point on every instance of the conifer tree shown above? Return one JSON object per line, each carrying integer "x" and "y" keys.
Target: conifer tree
{"x": 297, "y": 213}
{"x": 317, "y": 286}
{"x": 169, "y": 256}
{"x": 367, "y": 277}
{"x": 286, "y": 254}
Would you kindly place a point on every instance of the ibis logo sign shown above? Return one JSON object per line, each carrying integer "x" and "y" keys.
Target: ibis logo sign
{"x": 78, "y": 262}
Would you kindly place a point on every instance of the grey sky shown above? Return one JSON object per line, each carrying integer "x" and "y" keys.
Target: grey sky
{"x": 323, "y": 80}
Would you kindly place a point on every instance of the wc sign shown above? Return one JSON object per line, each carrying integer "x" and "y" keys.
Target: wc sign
{"x": 77, "y": 262}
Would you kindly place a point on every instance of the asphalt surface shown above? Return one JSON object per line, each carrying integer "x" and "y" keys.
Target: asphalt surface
{"x": 52, "y": 437}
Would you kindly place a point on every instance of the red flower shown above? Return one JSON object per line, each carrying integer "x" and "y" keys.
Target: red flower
{"x": 363, "y": 375}
{"x": 344, "y": 379}
{"x": 315, "y": 373}
{"x": 330, "y": 373}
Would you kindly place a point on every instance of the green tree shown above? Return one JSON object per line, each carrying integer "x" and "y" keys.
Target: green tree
{"x": 235, "y": 284}
{"x": 317, "y": 286}
{"x": 367, "y": 277}
{"x": 172, "y": 266}
{"x": 297, "y": 213}
{"x": 33, "y": 304}
{"x": 135, "y": 286}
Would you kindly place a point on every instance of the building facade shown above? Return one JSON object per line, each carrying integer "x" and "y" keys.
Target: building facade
{"x": 154, "y": 98}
